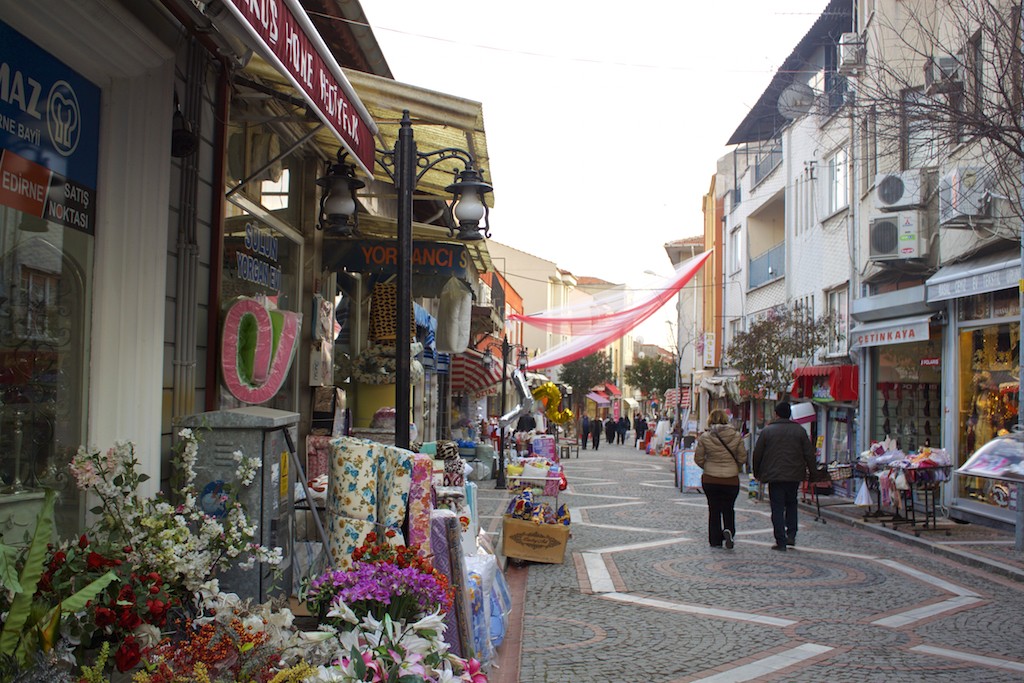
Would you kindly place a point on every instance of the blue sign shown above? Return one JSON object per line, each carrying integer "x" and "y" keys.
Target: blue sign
{"x": 49, "y": 124}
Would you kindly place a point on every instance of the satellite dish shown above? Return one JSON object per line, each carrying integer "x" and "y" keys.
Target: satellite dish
{"x": 796, "y": 100}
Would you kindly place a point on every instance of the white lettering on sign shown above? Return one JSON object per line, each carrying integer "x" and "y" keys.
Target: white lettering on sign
{"x": 265, "y": 12}
{"x": 300, "y": 60}
{"x": 260, "y": 241}
{"x": 22, "y": 186}
{"x": 17, "y": 89}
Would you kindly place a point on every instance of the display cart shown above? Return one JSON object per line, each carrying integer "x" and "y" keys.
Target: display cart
{"x": 870, "y": 480}
{"x": 923, "y": 487}
{"x": 813, "y": 490}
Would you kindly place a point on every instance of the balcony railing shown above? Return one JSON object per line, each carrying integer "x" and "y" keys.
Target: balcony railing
{"x": 767, "y": 160}
{"x": 768, "y": 266}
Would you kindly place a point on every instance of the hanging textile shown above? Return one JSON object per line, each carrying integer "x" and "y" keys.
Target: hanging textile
{"x": 606, "y": 318}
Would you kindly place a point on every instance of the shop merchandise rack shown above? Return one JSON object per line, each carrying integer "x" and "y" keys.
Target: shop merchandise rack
{"x": 910, "y": 412}
{"x": 813, "y": 490}
{"x": 925, "y": 487}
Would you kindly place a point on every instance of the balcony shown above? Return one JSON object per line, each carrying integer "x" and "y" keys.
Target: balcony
{"x": 767, "y": 160}
{"x": 769, "y": 266}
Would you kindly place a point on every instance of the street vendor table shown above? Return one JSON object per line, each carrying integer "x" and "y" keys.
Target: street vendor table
{"x": 923, "y": 486}
{"x": 813, "y": 490}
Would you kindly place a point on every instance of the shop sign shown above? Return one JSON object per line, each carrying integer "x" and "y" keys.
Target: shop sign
{"x": 1004, "y": 278}
{"x": 49, "y": 135}
{"x": 898, "y": 332}
{"x": 257, "y": 348}
{"x": 258, "y": 262}
{"x": 291, "y": 40}
{"x": 931, "y": 362}
{"x": 380, "y": 256}
{"x": 709, "y": 349}
{"x": 821, "y": 390}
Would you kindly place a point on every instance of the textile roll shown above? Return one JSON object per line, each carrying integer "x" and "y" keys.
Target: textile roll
{"x": 443, "y": 563}
{"x": 351, "y": 496}
{"x": 394, "y": 477}
{"x": 420, "y": 502}
{"x": 472, "y": 528}
{"x": 383, "y": 304}
{"x": 460, "y": 586}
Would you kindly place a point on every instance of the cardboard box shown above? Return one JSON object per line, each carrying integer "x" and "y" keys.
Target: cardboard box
{"x": 525, "y": 540}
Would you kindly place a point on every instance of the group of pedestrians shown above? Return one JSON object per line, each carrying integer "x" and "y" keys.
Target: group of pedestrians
{"x": 614, "y": 430}
{"x": 783, "y": 457}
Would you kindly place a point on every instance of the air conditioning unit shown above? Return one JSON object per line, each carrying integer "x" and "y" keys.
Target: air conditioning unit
{"x": 941, "y": 74}
{"x": 895, "y": 236}
{"x": 895, "y": 191}
{"x": 851, "y": 53}
{"x": 963, "y": 195}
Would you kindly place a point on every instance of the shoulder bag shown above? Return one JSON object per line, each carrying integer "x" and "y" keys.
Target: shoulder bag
{"x": 722, "y": 441}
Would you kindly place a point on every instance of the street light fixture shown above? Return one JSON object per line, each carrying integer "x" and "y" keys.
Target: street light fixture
{"x": 338, "y": 216}
{"x": 506, "y": 351}
{"x": 405, "y": 166}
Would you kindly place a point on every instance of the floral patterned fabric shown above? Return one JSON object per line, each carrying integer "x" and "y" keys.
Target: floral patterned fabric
{"x": 420, "y": 502}
{"x": 394, "y": 478}
{"x": 318, "y": 455}
{"x": 368, "y": 491}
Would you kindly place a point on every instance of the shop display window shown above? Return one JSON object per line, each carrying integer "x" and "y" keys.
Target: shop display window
{"x": 45, "y": 309}
{"x": 840, "y": 435}
{"x": 907, "y": 397}
{"x": 989, "y": 396}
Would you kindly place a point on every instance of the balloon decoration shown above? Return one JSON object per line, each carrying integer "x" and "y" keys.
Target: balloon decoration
{"x": 551, "y": 397}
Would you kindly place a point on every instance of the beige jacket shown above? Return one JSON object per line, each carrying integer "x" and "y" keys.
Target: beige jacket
{"x": 714, "y": 458}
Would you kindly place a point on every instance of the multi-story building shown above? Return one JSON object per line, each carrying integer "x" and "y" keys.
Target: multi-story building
{"x": 868, "y": 182}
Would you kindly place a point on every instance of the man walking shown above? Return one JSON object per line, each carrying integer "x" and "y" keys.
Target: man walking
{"x": 784, "y": 457}
{"x": 585, "y": 431}
{"x": 595, "y": 432}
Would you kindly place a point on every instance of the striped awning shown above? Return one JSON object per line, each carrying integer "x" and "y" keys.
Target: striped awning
{"x": 680, "y": 397}
{"x": 471, "y": 374}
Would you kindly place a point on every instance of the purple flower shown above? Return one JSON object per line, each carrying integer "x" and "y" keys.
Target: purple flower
{"x": 378, "y": 589}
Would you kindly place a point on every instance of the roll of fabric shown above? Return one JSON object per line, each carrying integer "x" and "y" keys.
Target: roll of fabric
{"x": 420, "y": 503}
{"x": 351, "y": 496}
{"x": 443, "y": 563}
{"x": 472, "y": 525}
{"x": 461, "y": 605}
{"x": 394, "y": 478}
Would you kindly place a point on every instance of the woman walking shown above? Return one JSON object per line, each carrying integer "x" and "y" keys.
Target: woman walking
{"x": 720, "y": 453}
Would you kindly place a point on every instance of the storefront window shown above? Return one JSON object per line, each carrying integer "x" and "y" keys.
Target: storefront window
{"x": 989, "y": 388}
{"x": 840, "y": 434}
{"x": 261, "y": 261}
{"x": 907, "y": 397}
{"x": 45, "y": 308}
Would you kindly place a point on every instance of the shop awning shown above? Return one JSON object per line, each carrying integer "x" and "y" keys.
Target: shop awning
{"x": 598, "y": 398}
{"x": 842, "y": 382}
{"x": 632, "y": 403}
{"x": 471, "y": 374}
{"x": 680, "y": 397}
{"x": 613, "y": 390}
{"x": 317, "y": 76}
{"x": 897, "y": 331}
{"x": 980, "y": 275}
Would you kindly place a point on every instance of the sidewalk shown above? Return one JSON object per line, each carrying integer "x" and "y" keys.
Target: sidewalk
{"x": 641, "y": 596}
{"x": 975, "y": 545}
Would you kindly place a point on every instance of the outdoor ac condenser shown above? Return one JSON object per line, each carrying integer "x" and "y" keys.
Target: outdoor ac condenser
{"x": 895, "y": 236}
{"x": 256, "y": 432}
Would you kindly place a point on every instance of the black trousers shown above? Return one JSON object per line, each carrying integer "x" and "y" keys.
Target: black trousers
{"x": 782, "y": 495}
{"x": 721, "y": 510}
{"x": 596, "y": 439}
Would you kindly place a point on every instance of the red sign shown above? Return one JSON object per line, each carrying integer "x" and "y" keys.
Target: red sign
{"x": 291, "y": 40}
{"x": 23, "y": 184}
{"x": 930, "y": 362}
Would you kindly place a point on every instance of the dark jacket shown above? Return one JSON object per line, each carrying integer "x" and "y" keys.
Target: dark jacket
{"x": 609, "y": 430}
{"x": 784, "y": 452}
{"x": 595, "y": 428}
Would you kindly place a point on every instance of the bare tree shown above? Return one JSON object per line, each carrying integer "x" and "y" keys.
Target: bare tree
{"x": 941, "y": 82}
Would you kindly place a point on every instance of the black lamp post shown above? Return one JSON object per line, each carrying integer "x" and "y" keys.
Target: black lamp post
{"x": 506, "y": 351}
{"x": 467, "y": 213}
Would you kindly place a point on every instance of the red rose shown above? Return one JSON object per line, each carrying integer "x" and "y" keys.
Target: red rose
{"x": 129, "y": 620}
{"x": 83, "y": 541}
{"x": 104, "y": 616}
{"x": 157, "y": 611}
{"x": 96, "y": 561}
{"x": 128, "y": 655}
{"x": 126, "y": 594}
{"x": 58, "y": 559}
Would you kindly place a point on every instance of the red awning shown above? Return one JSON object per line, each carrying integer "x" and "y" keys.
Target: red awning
{"x": 472, "y": 375}
{"x": 842, "y": 382}
{"x": 613, "y": 390}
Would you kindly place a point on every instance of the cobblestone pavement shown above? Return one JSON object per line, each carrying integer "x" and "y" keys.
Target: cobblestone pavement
{"x": 643, "y": 597}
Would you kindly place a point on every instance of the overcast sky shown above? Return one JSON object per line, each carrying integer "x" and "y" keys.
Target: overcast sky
{"x": 604, "y": 120}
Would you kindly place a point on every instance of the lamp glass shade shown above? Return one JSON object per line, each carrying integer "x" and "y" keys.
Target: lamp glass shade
{"x": 469, "y": 208}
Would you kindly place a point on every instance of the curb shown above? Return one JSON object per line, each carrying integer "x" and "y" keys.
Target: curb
{"x": 975, "y": 561}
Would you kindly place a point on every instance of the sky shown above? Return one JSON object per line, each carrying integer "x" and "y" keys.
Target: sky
{"x": 604, "y": 122}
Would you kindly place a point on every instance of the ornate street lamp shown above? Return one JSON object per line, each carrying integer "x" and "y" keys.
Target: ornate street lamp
{"x": 506, "y": 352}
{"x": 338, "y": 216}
{"x": 404, "y": 165}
